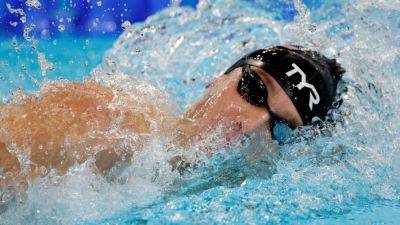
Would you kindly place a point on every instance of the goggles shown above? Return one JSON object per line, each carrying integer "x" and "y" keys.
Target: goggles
{"x": 254, "y": 91}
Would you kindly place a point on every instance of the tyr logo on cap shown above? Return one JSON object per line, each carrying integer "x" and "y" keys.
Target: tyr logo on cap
{"x": 314, "y": 96}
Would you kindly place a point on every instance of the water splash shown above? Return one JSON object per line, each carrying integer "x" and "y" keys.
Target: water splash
{"x": 20, "y": 12}
{"x": 355, "y": 164}
{"x": 44, "y": 64}
{"x": 27, "y": 32}
{"x": 125, "y": 25}
{"x": 34, "y": 3}
{"x": 179, "y": 51}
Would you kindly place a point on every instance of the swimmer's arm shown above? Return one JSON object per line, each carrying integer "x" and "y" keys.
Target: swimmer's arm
{"x": 63, "y": 118}
{"x": 107, "y": 159}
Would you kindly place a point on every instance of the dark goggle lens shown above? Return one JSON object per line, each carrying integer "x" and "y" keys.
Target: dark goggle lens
{"x": 251, "y": 88}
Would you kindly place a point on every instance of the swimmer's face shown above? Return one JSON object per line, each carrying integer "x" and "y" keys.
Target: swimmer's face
{"x": 224, "y": 106}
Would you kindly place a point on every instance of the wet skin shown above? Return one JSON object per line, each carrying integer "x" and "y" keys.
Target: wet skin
{"x": 69, "y": 123}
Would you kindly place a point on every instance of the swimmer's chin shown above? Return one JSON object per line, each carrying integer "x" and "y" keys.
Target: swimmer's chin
{"x": 214, "y": 136}
{"x": 191, "y": 133}
{"x": 237, "y": 133}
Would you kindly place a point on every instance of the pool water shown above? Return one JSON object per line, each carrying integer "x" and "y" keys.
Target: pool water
{"x": 67, "y": 57}
{"x": 349, "y": 175}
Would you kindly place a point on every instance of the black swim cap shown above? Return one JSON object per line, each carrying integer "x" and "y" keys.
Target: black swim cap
{"x": 308, "y": 78}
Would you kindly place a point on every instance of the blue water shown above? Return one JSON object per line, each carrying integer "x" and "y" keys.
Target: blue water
{"x": 349, "y": 175}
{"x": 72, "y": 58}
{"x": 100, "y": 17}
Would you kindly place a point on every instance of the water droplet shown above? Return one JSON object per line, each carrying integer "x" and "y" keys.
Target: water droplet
{"x": 26, "y": 32}
{"x": 14, "y": 41}
{"x": 35, "y": 44}
{"x": 45, "y": 33}
{"x": 18, "y": 11}
{"x": 14, "y": 24}
{"x": 99, "y": 3}
{"x": 125, "y": 25}
{"x": 175, "y": 2}
{"x": 61, "y": 28}
{"x": 23, "y": 19}
{"x": 34, "y": 3}
{"x": 312, "y": 28}
{"x": 43, "y": 170}
{"x": 44, "y": 64}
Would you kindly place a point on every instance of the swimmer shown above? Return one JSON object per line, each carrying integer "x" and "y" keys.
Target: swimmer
{"x": 281, "y": 87}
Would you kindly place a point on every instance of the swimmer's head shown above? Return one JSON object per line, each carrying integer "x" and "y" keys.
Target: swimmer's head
{"x": 272, "y": 86}
{"x": 308, "y": 78}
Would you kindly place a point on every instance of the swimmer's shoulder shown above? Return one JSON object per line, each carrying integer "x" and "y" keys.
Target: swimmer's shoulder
{"x": 88, "y": 91}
